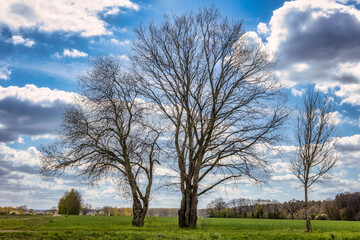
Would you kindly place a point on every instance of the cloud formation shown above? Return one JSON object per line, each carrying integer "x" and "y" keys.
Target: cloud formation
{"x": 18, "y": 40}
{"x": 61, "y": 15}
{"x": 30, "y": 111}
{"x": 317, "y": 42}
{"x": 73, "y": 53}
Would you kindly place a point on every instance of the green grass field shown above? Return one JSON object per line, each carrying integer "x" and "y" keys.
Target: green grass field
{"x": 97, "y": 227}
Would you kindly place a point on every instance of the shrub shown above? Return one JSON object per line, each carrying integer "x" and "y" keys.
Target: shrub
{"x": 322, "y": 217}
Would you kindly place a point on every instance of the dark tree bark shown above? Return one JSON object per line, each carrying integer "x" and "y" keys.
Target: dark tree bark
{"x": 216, "y": 91}
{"x": 316, "y": 141}
{"x": 109, "y": 133}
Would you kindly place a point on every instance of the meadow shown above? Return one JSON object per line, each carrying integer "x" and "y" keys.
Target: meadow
{"x": 102, "y": 227}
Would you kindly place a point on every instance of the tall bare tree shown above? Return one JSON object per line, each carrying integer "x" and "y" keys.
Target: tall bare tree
{"x": 109, "y": 133}
{"x": 316, "y": 139}
{"x": 216, "y": 90}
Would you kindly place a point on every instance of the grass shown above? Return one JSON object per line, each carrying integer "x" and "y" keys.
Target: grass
{"x": 100, "y": 227}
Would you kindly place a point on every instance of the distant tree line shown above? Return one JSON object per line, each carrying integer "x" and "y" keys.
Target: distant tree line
{"x": 345, "y": 206}
{"x": 22, "y": 210}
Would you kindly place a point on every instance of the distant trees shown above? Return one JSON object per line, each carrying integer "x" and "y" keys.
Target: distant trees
{"x": 70, "y": 203}
{"x": 217, "y": 92}
{"x": 292, "y": 207}
{"x": 85, "y": 208}
{"x": 345, "y": 206}
{"x": 348, "y": 205}
{"x": 109, "y": 132}
{"x": 216, "y": 207}
{"x": 315, "y": 137}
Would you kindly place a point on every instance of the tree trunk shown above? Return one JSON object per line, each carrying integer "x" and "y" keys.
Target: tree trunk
{"x": 188, "y": 209}
{"x": 139, "y": 213}
{"x": 308, "y": 223}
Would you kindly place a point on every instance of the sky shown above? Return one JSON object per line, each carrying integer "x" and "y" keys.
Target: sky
{"x": 46, "y": 45}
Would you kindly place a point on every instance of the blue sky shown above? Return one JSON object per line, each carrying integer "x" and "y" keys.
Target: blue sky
{"x": 45, "y": 45}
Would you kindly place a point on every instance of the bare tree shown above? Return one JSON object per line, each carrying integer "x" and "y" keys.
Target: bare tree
{"x": 109, "y": 133}
{"x": 86, "y": 208}
{"x": 315, "y": 136}
{"x": 217, "y": 92}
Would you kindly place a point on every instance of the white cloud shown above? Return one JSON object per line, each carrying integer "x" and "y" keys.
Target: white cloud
{"x": 251, "y": 38}
{"x": 300, "y": 67}
{"x": 112, "y": 11}
{"x": 349, "y": 93}
{"x": 296, "y": 92}
{"x": 16, "y": 40}
{"x": 121, "y": 43}
{"x": 62, "y": 15}
{"x": 4, "y": 73}
{"x": 123, "y": 57}
{"x": 336, "y": 118}
{"x": 30, "y": 92}
{"x": 44, "y": 136}
{"x": 349, "y": 151}
{"x": 281, "y": 167}
{"x": 287, "y": 178}
{"x": 262, "y": 28}
{"x": 338, "y": 183}
{"x": 30, "y": 156}
{"x": 73, "y": 53}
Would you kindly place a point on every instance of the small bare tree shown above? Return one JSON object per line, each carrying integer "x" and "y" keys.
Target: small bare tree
{"x": 217, "y": 92}
{"x": 315, "y": 135}
{"x": 109, "y": 133}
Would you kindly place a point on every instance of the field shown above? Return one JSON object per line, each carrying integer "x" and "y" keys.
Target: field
{"x": 99, "y": 227}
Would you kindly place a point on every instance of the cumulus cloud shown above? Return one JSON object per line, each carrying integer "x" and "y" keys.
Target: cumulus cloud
{"x": 29, "y": 156}
{"x": 296, "y": 92}
{"x": 338, "y": 183}
{"x": 262, "y": 28}
{"x": 62, "y": 15}
{"x": 73, "y": 53}
{"x": 44, "y": 96}
{"x": 30, "y": 111}
{"x": 350, "y": 144}
{"x": 16, "y": 40}
{"x": 115, "y": 41}
{"x": 317, "y": 42}
{"x": 5, "y": 72}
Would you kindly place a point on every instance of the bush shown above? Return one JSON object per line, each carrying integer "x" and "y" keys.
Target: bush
{"x": 322, "y": 217}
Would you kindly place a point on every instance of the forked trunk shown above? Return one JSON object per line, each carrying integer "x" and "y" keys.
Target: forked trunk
{"x": 188, "y": 211}
{"x": 308, "y": 223}
{"x": 139, "y": 213}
